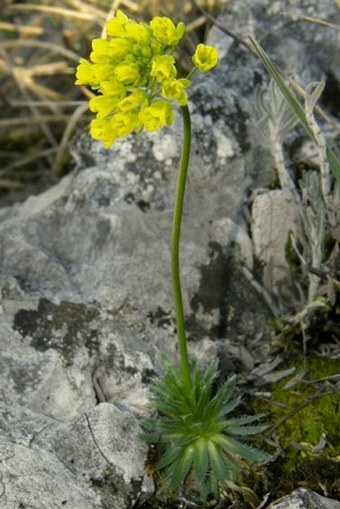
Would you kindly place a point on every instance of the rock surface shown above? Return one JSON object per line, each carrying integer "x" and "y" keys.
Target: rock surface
{"x": 303, "y": 499}
{"x": 86, "y": 303}
{"x": 273, "y": 221}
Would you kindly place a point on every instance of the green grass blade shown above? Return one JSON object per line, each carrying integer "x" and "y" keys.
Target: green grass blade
{"x": 275, "y": 74}
{"x": 294, "y": 103}
{"x": 334, "y": 162}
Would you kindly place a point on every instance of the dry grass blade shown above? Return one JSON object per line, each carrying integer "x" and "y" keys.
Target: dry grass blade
{"x": 54, "y": 48}
{"x": 37, "y": 119}
{"x": 24, "y": 30}
{"x": 129, "y": 4}
{"x": 38, "y": 90}
{"x": 80, "y": 6}
{"x": 197, "y": 23}
{"x": 62, "y": 149}
{"x": 308, "y": 19}
{"x": 321, "y": 392}
{"x": 50, "y": 69}
{"x": 86, "y": 16}
{"x": 27, "y": 160}
{"x": 20, "y": 85}
{"x": 51, "y": 104}
{"x": 9, "y": 184}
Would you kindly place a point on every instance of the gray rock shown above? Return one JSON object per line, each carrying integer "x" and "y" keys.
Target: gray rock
{"x": 273, "y": 221}
{"x": 283, "y": 30}
{"x": 93, "y": 460}
{"x": 102, "y": 448}
{"x": 304, "y": 499}
{"x": 35, "y": 479}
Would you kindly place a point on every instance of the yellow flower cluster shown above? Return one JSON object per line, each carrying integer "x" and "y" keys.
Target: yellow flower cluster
{"x": 135, "y": 76}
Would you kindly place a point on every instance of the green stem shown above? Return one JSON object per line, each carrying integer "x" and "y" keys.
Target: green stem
{"x": 175, "y": 240}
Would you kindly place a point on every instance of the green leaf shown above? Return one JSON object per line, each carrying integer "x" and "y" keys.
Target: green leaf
{"x": 246, "y": 419}
{"x": 246, "y": 430}
{"x": 231, "y": 445}
{"x": 217, "y": 463}
{"x": 201, "y": 458}
{"x": 150, "y": 437}
{"x": 177, "y": 438}
{"x": 168, "y": 457}
{"x": 229, "y": 386}
{"x": 166, "y": 408}
{"x": 313, "y": 93}
{"x": 229, "y": 407}
{"x": 233, "y": 463}
{"x": 181, "y": 468}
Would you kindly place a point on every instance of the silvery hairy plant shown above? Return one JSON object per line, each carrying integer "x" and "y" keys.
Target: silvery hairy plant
{"x": 315, "y": 199}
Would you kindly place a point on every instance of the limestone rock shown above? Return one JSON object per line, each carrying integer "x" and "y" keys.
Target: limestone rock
{"x": 102, "y": 448}
{"x": 273, "y": 221}
{"x": 93, "y": 460}
{"x": 303, "y": 499}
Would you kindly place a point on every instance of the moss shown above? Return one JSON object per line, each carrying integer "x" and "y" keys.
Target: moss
{"x": 303, "y": 414}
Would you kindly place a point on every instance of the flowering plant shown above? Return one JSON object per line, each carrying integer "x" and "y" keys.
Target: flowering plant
{"x": 135, "y": 76}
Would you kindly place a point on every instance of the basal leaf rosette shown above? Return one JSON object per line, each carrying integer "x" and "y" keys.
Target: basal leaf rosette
{"x": 196, "y": 435}
{"x": 135, "y": 77}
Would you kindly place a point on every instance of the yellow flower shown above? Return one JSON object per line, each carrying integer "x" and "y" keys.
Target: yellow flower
{"x": 92, "y": 74}
{"x": 165, "y": 31}
{"x": 122, "y": 26}
{"x": 162, "y": 67}
{"x": 133, "y": 101}
{"x": 106, "y": 51}
{"x": 124, "y": 124}
{"x": 205, "y": 57}
{"x": 157, "y": 115}
{"x": 127, "y": 73}
{"x": 102, "y": 130}
{"x": 103, "y": 105}
{"x": 116, "y": 27}
{"x": 84, "y": 73}
{"x": 175, "y": 89}
{"x": 139, "y": 32}
{"x": 113, "y": 88}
